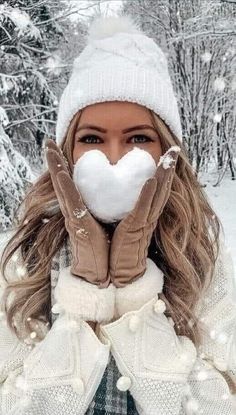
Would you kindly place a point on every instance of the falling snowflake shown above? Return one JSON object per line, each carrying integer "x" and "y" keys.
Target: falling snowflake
{"x": 222, "y": 338}
{"x": 217, "y": 118}
{"x": 21, "y": 271}
{"x": 202, "y": 375}
{"x": 206, "y": 57}
{"x": 219, "y": 84}
{"x": 225, "y": 396}
{"x": 53, "y": 64}
{"x": 192, "y": 405}
{"x": 15, "y": 257}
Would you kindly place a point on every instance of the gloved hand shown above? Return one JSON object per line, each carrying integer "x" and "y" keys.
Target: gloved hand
{"x": 132, "y": 236}
{"x": 89, "y": 241}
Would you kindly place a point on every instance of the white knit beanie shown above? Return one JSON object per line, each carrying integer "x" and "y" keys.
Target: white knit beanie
{"x": 119, "y": 63}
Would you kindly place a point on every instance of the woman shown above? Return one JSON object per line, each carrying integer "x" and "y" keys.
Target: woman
{"x": 122, "y": 304}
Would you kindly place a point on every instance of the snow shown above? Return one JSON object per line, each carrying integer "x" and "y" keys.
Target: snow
{"x": 166, "y": 159}
{"x": 79, "y": 213}
{"x": 15, "y": 175}
{"x": 3, "y": 116}
{"x": 217, "y": 117}
{"x": 219, "y": 84}
{"x": 20, "y": 19}
{"x": 206, "y": 57}
{"x": 223, "y": 201}
{"x": 110, "y": 191}
{"x": 54, "y": 64}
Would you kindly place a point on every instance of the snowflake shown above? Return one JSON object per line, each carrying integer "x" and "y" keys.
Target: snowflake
{"x": 202, "y": 375}
{"x": 219, "y": 84}
{"x": 4, "y": 120}
{"x": 192, "y": 405}
{"x": 79, "y": 213}
{"x": 21, "y": 271}
{"x": 53, "y": 64}
{"x": 206, "y": 57}
{"x": 217, "y": 118}
{"x": 15, "y": 257}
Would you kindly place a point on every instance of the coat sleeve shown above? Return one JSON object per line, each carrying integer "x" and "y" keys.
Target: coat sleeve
{"x": 217, "y": 312}
{"x": 150, "y": 359}
{"x": 61, "y": 371}
{"x": 57, "y": 375}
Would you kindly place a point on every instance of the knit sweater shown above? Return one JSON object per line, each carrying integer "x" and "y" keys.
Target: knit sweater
{"x": 72, "y": 371}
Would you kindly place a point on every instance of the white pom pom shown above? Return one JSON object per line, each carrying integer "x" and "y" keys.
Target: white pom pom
{"x": 123, "y": 383}
{"x": 102, "y": 27}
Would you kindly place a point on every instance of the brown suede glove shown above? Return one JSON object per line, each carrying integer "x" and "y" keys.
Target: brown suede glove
{"x": 89, "y": 242}
{"x": 132, "y": 236}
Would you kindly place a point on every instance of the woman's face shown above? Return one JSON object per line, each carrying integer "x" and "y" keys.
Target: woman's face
{"x": 115, "y": 128}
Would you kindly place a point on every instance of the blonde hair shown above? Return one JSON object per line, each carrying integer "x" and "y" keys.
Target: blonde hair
{"x": 182, "y": 244}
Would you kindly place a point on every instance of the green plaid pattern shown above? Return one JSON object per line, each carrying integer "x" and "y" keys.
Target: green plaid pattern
{"x": 108, "y": 400}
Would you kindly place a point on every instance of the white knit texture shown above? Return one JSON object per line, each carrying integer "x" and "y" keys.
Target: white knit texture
{"x": 123, "y": 66}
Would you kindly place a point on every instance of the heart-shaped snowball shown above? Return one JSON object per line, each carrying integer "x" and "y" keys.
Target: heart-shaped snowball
{"x": 109, "y": 191}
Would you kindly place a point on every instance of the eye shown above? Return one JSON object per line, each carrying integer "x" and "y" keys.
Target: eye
{"x": 143, "y": 136}
{"x": 86, "y": 138}
{"x": 83, "y": 139}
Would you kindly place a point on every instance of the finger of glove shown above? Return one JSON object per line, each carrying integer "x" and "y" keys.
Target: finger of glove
{"x": 55, "y": 167}
{"x": 52, "y": 151}
{"x": 74, "y": 204}
{"x": 164, "y": 177}
{"x": 138, "y": 216}
{"x": 151, "y": 189}
{"x": 50, "y": 144}
{"x": 142, "y": 208}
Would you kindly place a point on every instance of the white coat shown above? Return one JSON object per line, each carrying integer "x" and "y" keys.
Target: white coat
{"x": 165, "y": 373}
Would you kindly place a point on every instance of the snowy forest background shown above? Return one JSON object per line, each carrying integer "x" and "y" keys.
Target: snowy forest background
{"x": 39, "y": 40}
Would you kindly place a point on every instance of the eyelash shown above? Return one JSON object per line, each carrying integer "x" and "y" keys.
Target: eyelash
{"x": 92, "y": 135}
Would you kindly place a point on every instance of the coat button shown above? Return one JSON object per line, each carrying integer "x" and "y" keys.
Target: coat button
{"x": 78, "y": 386}
{"x": 159, "y": 306}
{"x": 134, "y": 323}
{"x": 123, "y": 383}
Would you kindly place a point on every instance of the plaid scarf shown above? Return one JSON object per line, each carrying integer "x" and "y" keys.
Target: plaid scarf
{"x": 108, "y": 400}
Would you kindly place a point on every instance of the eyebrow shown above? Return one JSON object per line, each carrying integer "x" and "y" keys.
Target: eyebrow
{"x": 126, "y": 130}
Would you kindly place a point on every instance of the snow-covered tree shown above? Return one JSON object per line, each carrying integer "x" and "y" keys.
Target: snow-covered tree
{"x": 198, "y": 39}
{"x": 15, "y": 177}
{"x": 37, "y": 45}
{"x": 30, "y": 35}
